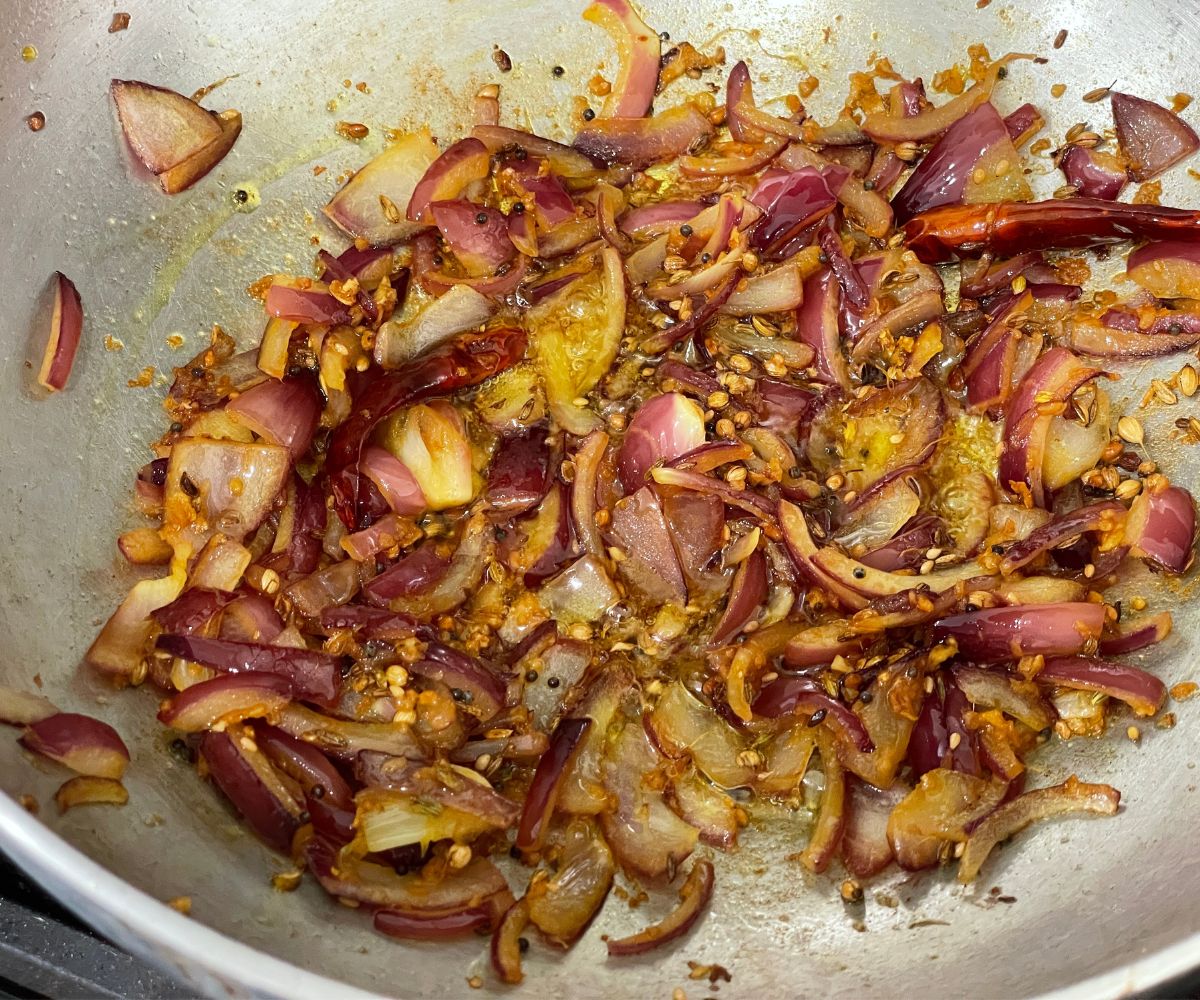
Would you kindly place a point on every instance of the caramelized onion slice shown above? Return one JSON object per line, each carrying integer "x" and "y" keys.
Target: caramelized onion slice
{"x": 694, "y": 897}
{"x": 1072, "y": 796}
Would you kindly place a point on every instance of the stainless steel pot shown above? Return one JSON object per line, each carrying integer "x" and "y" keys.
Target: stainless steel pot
{"x": 1100, "y": 908}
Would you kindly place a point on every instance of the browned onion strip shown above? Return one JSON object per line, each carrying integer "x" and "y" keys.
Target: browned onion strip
{"x": 694, "y": 896}
{"x": 506, "y": 943}
{"x": 86, "y": 790}
{"x": 1072, "y": 796}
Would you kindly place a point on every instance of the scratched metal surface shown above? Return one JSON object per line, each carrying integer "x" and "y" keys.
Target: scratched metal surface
{"x": 1100, "y": 908}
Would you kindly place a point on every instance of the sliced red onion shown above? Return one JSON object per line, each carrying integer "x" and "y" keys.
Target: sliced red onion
{"x": 506, "y": 943}
{"x": 284, "y": 413}
{"x": 907, "y": 548}
{"x": 520, "y": 475}
{"x": 227, "y": 699}
{"x": 921, "y": 308}
{"x": 345, "y": 875}
{"x": 372, "y": 622}
{"x": 1142, "y": 691}
{"x": 398, "y": 783}
{"x": 644, "y": 834}
{"x": 1137, "y": 635}
{"x": 948, "y": 174}
{"x": 121, "y": 646}
{"x": 357, "y": 208}
{"x": 1072, "y": 796}
{"x": 560, "y": 668}
{"x": 778, "y": 290}
{"x": 865, "y": 847}
{"x": 1107, "y": 339}
{"x": 705, "y": 807}
{"x": 389, "y": 532}
{"x": 694, "y": 897}
{"x": 793, "y": 694}
{"x": 552, "y": 543}
{"x": 993, "y": 634}
{"x": 747, "y": 500}
{"x": 1023, "y": 123}
{"x": 23, "y": 708}
{"x": 659, "y": 217}
{"x": 738, "y": 88}
{"x": 1167, "y": 269}
{"x": 831, "y": 814}
{"x": 85, "y": 790}
{"x": 564, "y": 161}
{"x": 993, "y": 689}
{"x": 791, "y": 203}
{"x": 735, "y": 165}
{"x": 419, "y": 926}
{"x": 649, "y": 564}
{"x": 144, "y": 547}
{"x": 640, "y": 142}
{"x": 543, "y": 792}
{"x": 1162, "y": 527}
{"x": 304, "y": 764}
{"x": 460, "y": 308}
{"x": 704, "y": 309}
{"x": 192, "y": 610}
{"x": 480, "y": 246}
{"x": 305, "y": 305}
{"x": 663, "y": 428}
{"x": 397, "y": 484}
{"x": 477, "y": 690}
{"x": 82, "y": 743}
{"x": 163, "y": 128}
{"x": 1153, "y": 138}
{"x": 1103, "y": 516}
{"x": 854, "y": 290}
{"x": 345, "y": 740}
{"x": 819, "y": 644}
{"x": 436, "y": 281}
{"x": 522, "y": 231}
{"x": 462, "y": 163}
{"x": 748, "y": 593}
{"x": 939, "y": 811}
{"x": 552, "y": 204}
{"x": 412, "y": 574}
{"x": 587, "y": 460}
{"x": 314, "y": 676}
{"x": 988, "y": 277}
{"x": 865, "y": 206}
{"x": 332, "y": 586}
{"x": 1093, "y": 173}
{"x": 561, "y": 907}
{"x": 680, "y": 726}
{"x": 62, "y": 340}
{"x": 638, "y": 52}
{"x": 334, "y": 269}
{"x": 933, "y": 122}
{"x": 817, "y": 326}
{"x": 1055, "y": 376}
{"x": 942, "y": 717}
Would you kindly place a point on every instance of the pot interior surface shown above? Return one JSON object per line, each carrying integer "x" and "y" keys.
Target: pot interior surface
{"x": 1076, "y": 900}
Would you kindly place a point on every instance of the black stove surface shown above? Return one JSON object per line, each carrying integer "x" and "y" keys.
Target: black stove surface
{"x": 45, "y": 952}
